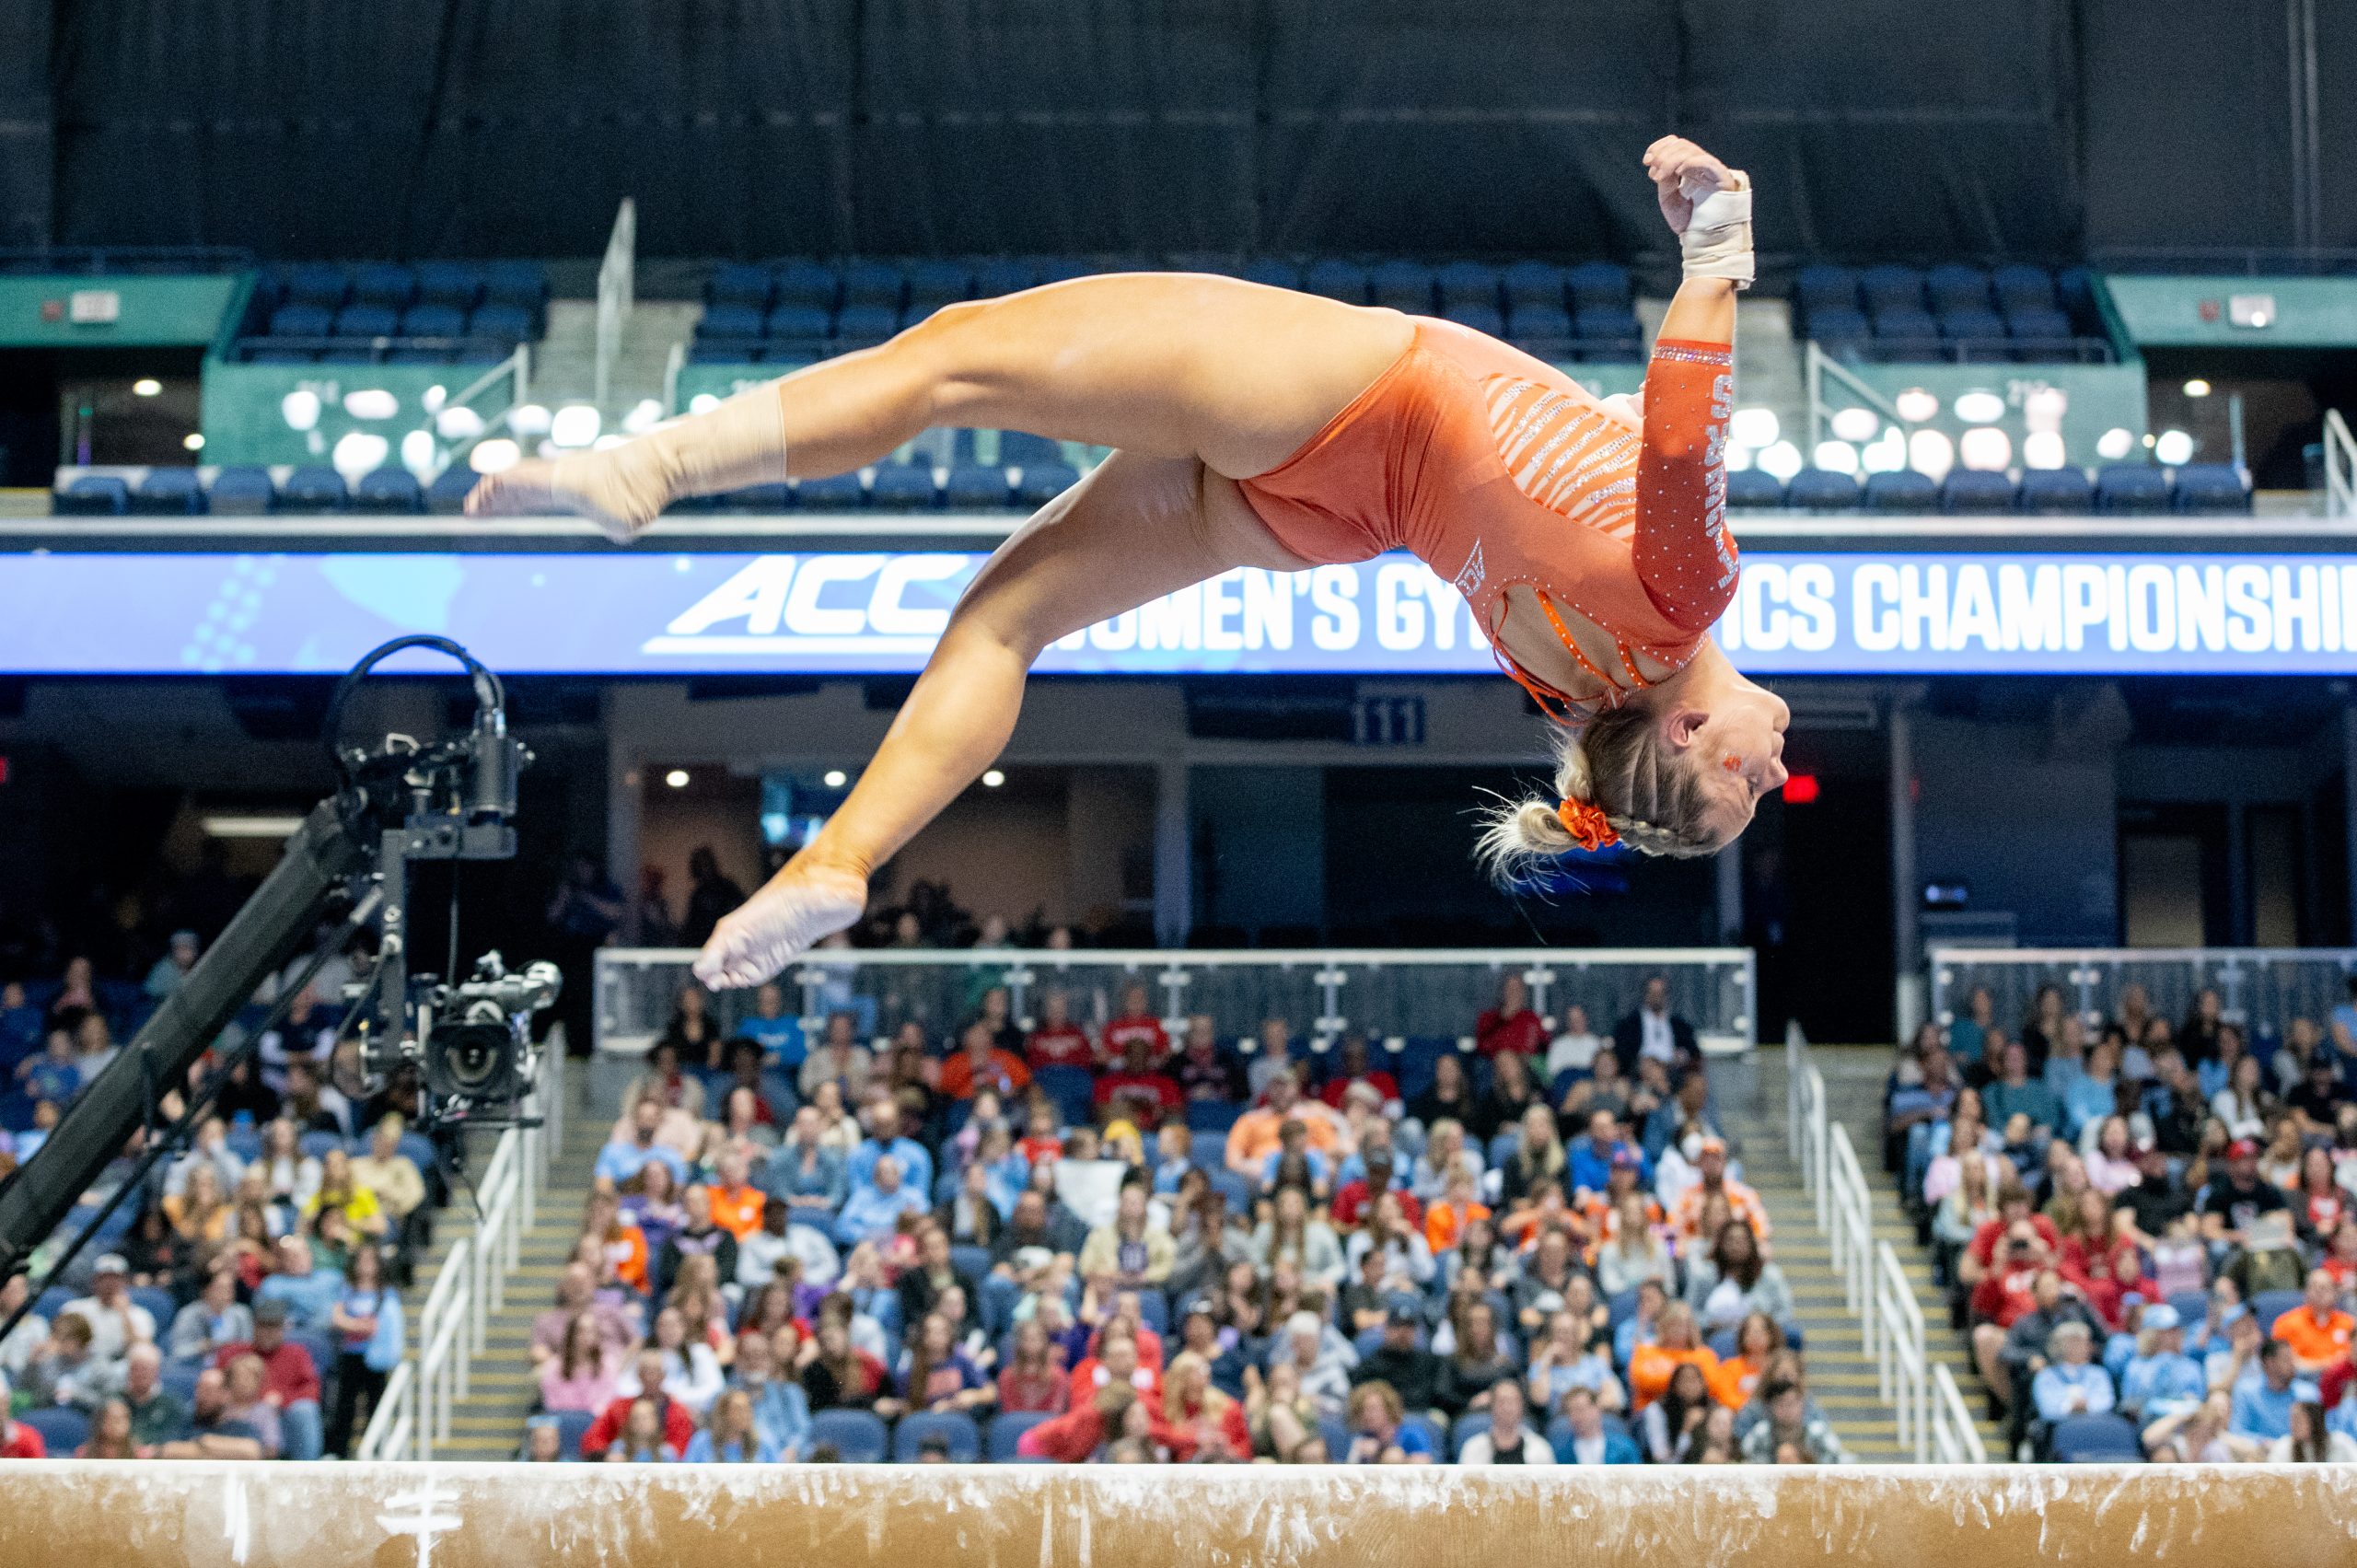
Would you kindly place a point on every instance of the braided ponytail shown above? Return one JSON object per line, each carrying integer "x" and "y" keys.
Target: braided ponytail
{"x": 1619, "y": 763}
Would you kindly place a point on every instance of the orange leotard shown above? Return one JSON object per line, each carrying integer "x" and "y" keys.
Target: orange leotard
{"x": 1496, "y": 469}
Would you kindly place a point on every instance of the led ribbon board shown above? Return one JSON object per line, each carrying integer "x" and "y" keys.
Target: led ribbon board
{"x": 644, "y": 613}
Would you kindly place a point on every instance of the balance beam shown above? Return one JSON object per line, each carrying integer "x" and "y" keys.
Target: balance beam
{"x": 93, "y": 1513}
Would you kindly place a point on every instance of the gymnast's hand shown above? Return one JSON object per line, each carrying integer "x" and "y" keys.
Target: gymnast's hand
{"x": 1683, "y": 174}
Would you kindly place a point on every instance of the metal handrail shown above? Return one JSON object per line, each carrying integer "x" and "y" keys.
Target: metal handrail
{"x": 617, "y": 293}
{"x": 2340, "y": 466}
{"x": 1954, "y": 1439}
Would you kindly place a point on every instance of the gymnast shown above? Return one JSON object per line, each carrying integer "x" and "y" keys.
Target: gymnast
{"x": 1253, "y": 426}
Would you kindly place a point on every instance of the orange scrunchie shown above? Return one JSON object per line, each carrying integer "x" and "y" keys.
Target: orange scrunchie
{"x": 1584, "y": 820}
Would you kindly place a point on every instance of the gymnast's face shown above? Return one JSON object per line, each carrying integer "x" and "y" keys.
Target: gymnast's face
{"x": 1738, "y": 749}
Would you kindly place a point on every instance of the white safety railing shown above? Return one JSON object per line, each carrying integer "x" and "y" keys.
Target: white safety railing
{"x": 424, "y": 1392}
{"x": 2340, "y": 466}
{"x": 2260, "y": 989}
{"x": 617, "y": 293}
{"x": 1874, "y": 1284}
{"x": 1954, "y": 1439}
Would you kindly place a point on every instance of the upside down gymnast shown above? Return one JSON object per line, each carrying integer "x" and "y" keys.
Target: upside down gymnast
{"x": 1258, "y": 427}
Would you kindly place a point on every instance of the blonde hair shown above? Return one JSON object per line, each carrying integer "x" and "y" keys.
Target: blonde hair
{"x": 1618, "y": 763}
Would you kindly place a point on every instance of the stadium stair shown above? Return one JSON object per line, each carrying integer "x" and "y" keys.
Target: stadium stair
{"x": 1840, "y": 1375}
{"x": 489, "y": 1422}
{"x": 564, "y": 364}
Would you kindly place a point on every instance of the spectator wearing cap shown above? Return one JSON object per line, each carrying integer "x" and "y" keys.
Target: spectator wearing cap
{"x": 1743, "y": 1204}
{"x": 290, "y": 1378}
{"x": 1589, "y": 1440}
{"x": 2071, "y": 1383}
{"x": 2262, "y": 1405}
{"x": 116, "y": 1321}
{"x": 2230, "y": 1204}
{"x": 1401, "y": 1363}
{"x": 2161, "y": 1381}
{"x": 2317, "y": 1330}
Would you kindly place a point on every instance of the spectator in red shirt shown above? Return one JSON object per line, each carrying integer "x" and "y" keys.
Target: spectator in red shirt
{"x": 18, "y": 1441}
{"x": 1202, "y": 1069}
{"x": 2013, "y": 1205}
{"x": 1351, "y": 1067}
{"x": 2005, "y": 1291}
{"x": 291, "y": 1378}
{"x": 679, "y": 1424}
{"x": 980, "y": 1064}
{"x": 1352, "y": 1202}
{"x": 1137, "y": 1022}
{"x": 1058, "y": 1041}
{"x": 1151, "y": 1094}
{"x": 1511, "y": 1024}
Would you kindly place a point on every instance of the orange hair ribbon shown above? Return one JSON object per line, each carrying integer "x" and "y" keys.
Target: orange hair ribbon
{"x": 1584, "y": 820}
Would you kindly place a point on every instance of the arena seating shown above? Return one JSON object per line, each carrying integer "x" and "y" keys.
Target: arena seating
{"x": 2120, "y": 488}
{"x": 1952, "y": 311}
{"x": 382, "y": 312}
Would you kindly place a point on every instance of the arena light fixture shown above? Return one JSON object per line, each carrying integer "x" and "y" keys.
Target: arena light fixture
{"x": 232, "y": 825}
{"x": 1915, "y": 405}
{"x": 194, "y": 441}
{"x": 1739, "y": 459}
{"x": 1886, "y": 453}
{"x": 2115, "y": 444}
{"x": 703, "y": 402}
{"x": 1836, "y": 457}
{"x": 371, "y": 402}
{"x": 2042, "y": 449}
{"x": 434, "y": 398}
{"x": 146, "y": 387}
{"x": 1858, "y": 425}
{"x": 495, "y": 455}
{"x": 993, "y": 779}
{"x": 359, "y": 452}
{"x": 836, "y": 778}
{"x": 1986, "y": 450}
{"x": 418, "y": 454}
{"x": 677, "y": 778}
{"x": 1980, "y": 407}
{"x": 575, "y": 425}
{"x": 1780, "y": 459}
{"x": 529, "y": 418}
{"x": 2043, "y": 408}
{"x": 1930, "y": 452}
{"x": 643, "y": 416}
{"x": 1753, "y": 427}
{"x": 301, "y": 409}
{"x": 2173, "y": 447}
{"x": 2196, "y": 388}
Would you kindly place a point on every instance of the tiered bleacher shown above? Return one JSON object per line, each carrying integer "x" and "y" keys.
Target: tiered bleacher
{"x": 1954, "y": 312}
{"x": 389, "y": 313}
{"x": 2112, "y": 489}
{"x": 2149, "y": 1229}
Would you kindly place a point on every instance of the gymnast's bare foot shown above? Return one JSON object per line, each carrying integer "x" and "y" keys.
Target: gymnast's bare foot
{"x": 801, "y": 905}
{"x": 620, "y": 489}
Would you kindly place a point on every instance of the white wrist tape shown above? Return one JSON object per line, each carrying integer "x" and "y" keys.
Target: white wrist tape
{"x": 739, "y": 445}
{"x": 1717, "y": 241}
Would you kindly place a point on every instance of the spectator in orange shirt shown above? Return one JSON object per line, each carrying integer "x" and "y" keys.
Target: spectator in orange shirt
{"x": 1457, "y": 1207}
{"x": 2316, "y": 1330}
{"x": 1255, "y": 1136}
{"x": 737, "y": 1203}
{"x": 1058, "y": 1041}
{"x": 1741, "y": 1201}
{"x": 980, "y": 1064}
{"x": 621, "y": 1246}
{"x": 1676, "y": 1343}
{"x": 1511, "y": 1024}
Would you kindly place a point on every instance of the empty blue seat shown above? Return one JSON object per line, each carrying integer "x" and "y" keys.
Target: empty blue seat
{"x": 434, "y": 321}
{"x": 723, "y": 350}
{"x": 366, "y": 322}
{"x": 972, "y": 487}
{"x": 2020, "y": 286}
{"x": 1005, "y": 275}
{"x": 265, "y": 353}
{"x": 383, "y": 282}
{"x": 806, "y": 322}
{"x": 446, "y": 497}
{"x": 1825, "y": 286}
{"x": 1006, "y": 1432}
{"x": 1539, "y": 322}
{"x": 312, "y": 489}
{"x": 2212, "y": 488}
{"x": 93, "y": 495}
{"x": 2131, "y": 488}
{"x": 803, "y": 283}
{"x": 1042, "y": 482}
{"x": 1972, "y": 322}
{"x": 1274, "y": 273}
{"x": 2104, "y": 1439}
{"x": 1468, "y": 282}
{"x": 858, "y": 1436}
{"x": 902, "y": 487}
{"x": 1534, "y": 283}
{"x": 1073, "y": 1090}
{"x": 2038, "y": 326}
{"x": 957, "y": 1431}
{"x": 1018, "y": 447}
{"x": 1754, "y": 487}
{"x": 738, "y": 282}
{"x": 2266, "y": 1306}
{"x": 1905, "y": 491}
{"x": 1212, "y": 1115}
{"x": 2057, "y": 492}
{"x": 1607, "y": 323}
{"x": 1061, "y": 269}
{"x": 1345, "y": 280}
{"x": 1976, "y": 491}
{"x": 2074, "y": 291}
{"x": 317, "y": 283}
{"x": 524, "y": 285}
{"x": 1954, "y": 286}
{"x": 168, "y": 493}
{"x": 502, "y": 320}
{"x": 62, "y": 1427}
{"x": 1402, "y": 285}
{"x": 456, "y": 283}
{"x": 873, "y": 284}
{"x": 732, "y": 322}
{"x": 1905, "y": 323}
{"x": 1842, "y": 323}
{"x": 387, "y": 491}
{"x": 867, "y": 323}
{"x": 1598, "y": 282}
{"x": 836, "y": 492}
{"x": 1891, "y": 286}
{"x": 936, "y": 283}
{"x": 1822, "y": 490}
{"x": 1481, "y": 318}
{"x": 763, "y": 498}
{"x": 240, "y": 492}
{"x": 301, "y": 321}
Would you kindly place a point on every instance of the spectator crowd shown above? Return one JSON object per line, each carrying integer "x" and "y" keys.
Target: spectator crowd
{"x": 1058, "y": 1240}
{"x": 2148, "y": 1229}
